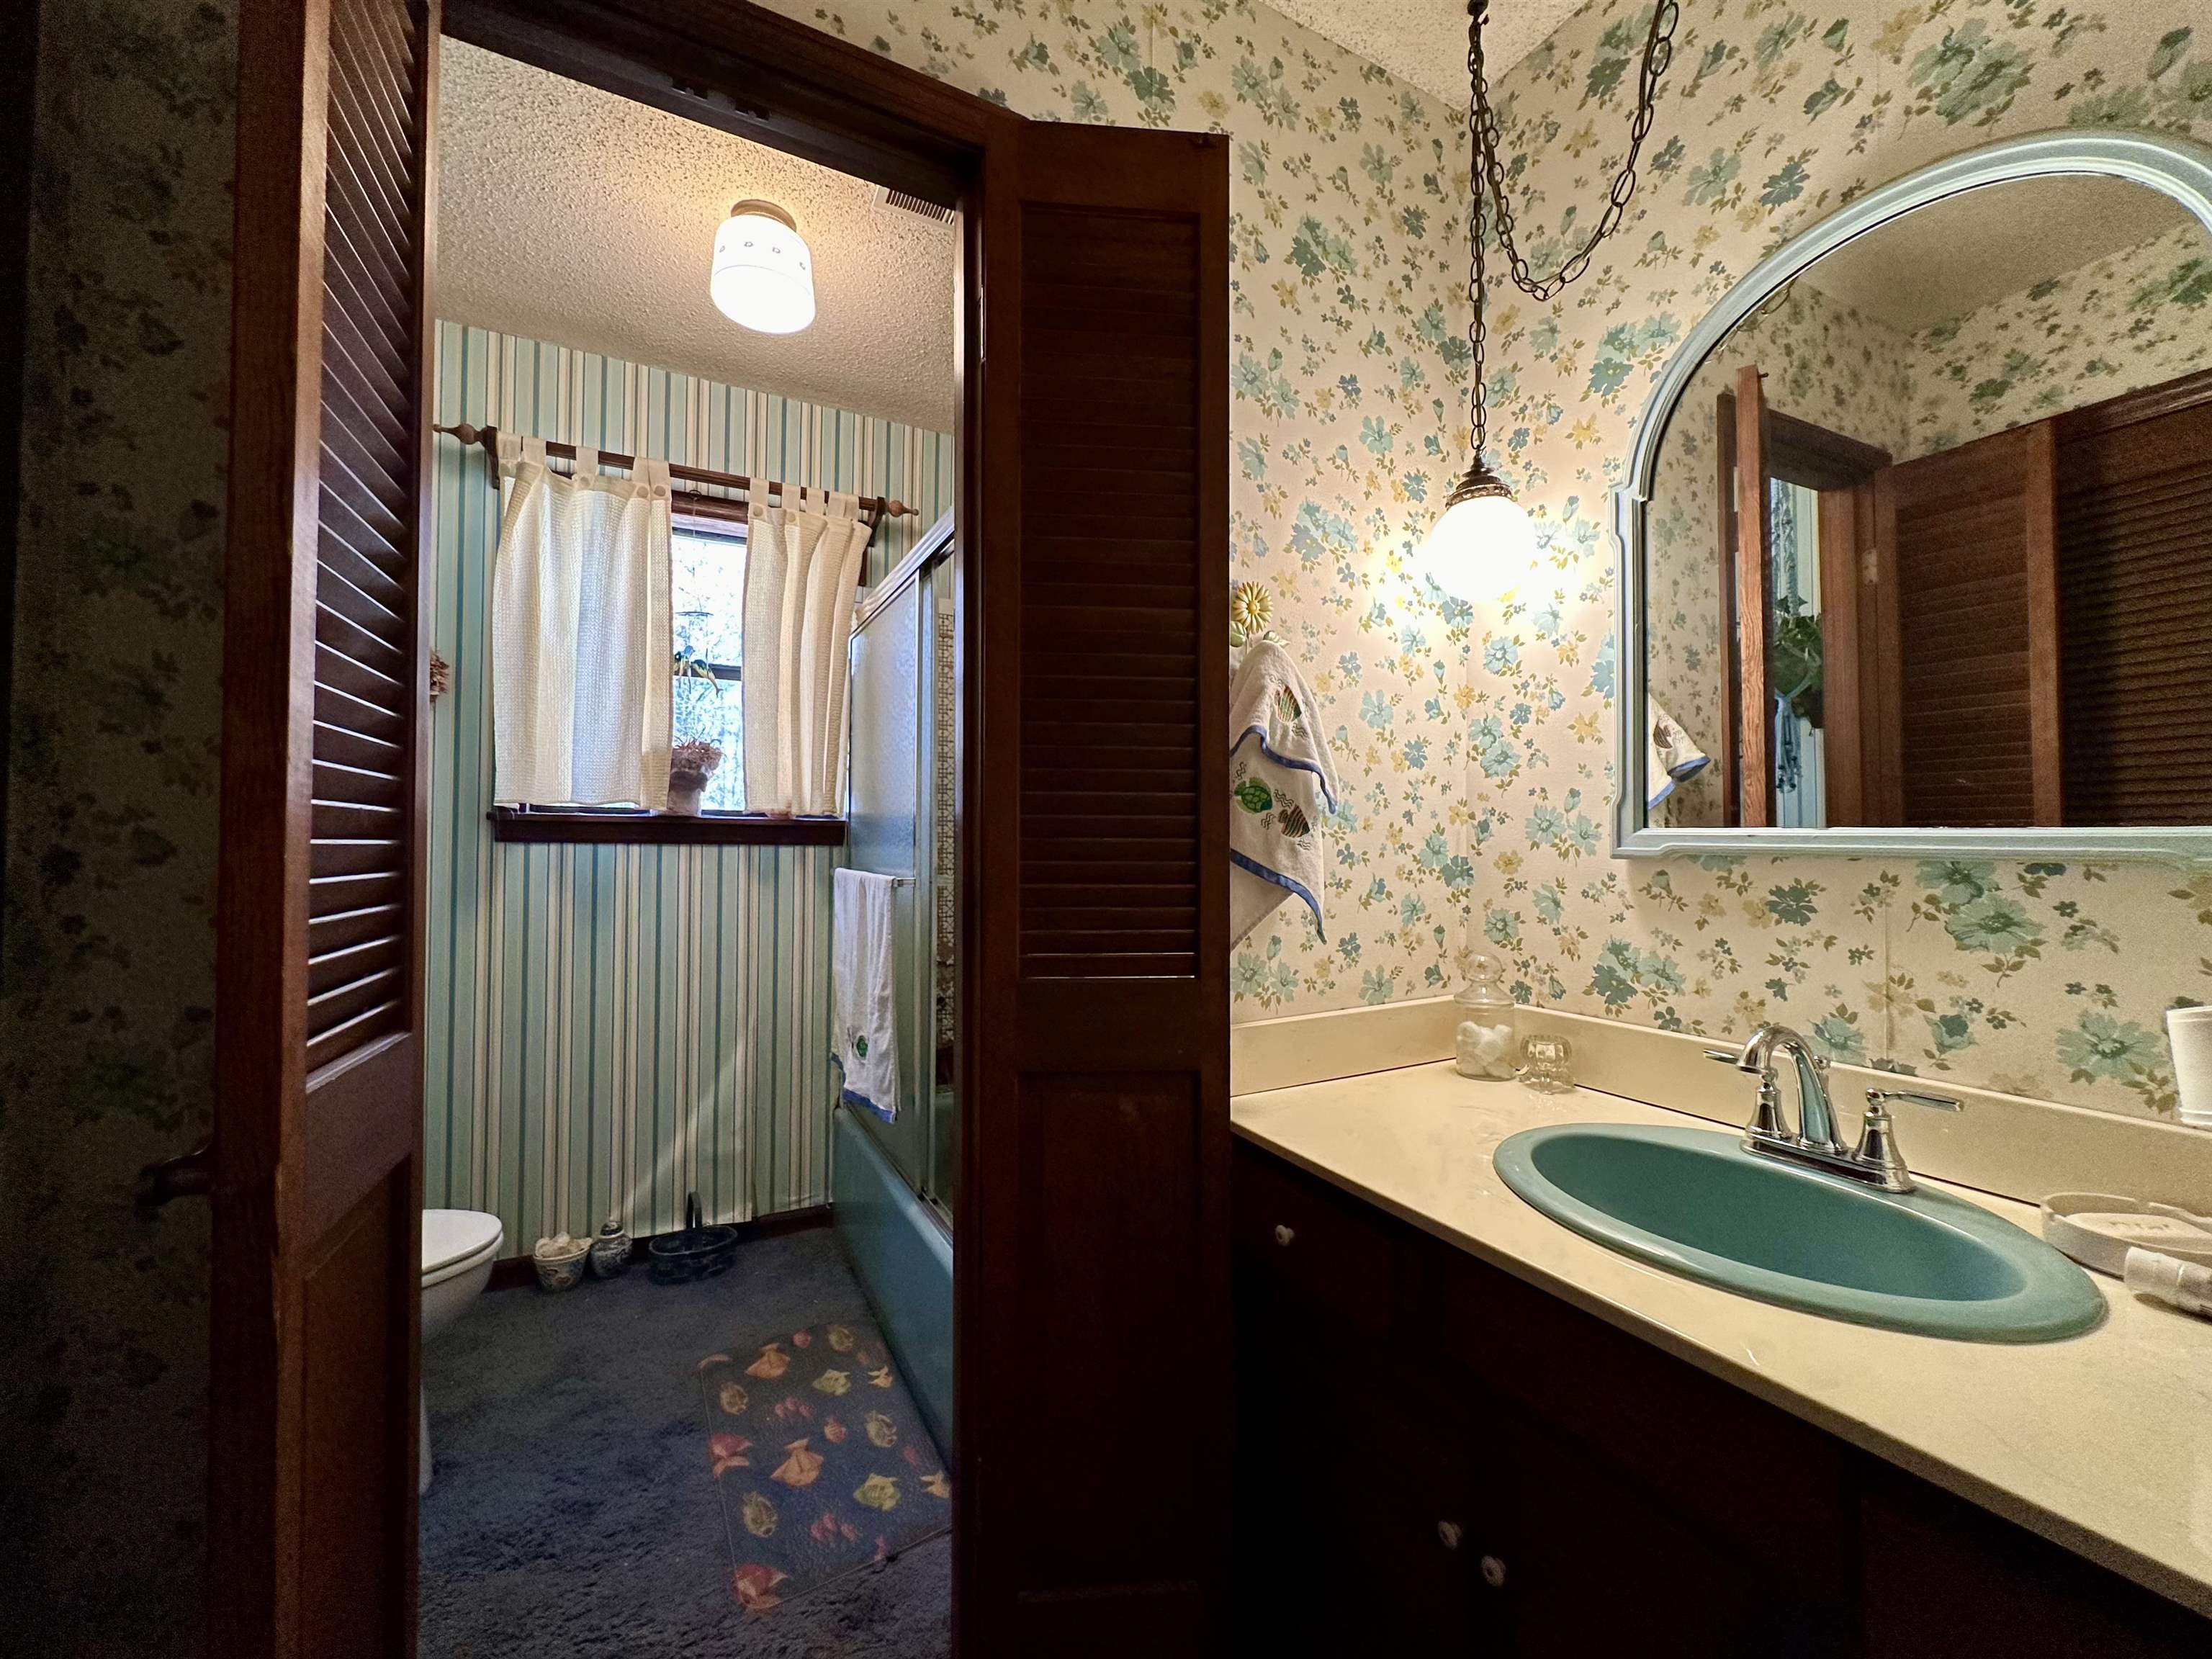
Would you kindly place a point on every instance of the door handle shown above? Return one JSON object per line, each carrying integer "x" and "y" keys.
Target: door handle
{"x": 188, "y": 1177}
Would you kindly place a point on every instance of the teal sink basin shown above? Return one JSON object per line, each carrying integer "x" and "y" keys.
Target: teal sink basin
{"x": 1696, "y": 1202}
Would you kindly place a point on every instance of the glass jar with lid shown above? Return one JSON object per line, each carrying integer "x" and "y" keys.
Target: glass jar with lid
{"x": 1485, "y": 1043}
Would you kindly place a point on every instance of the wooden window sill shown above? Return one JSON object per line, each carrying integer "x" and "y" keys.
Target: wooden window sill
{"x": 664, "y": 829}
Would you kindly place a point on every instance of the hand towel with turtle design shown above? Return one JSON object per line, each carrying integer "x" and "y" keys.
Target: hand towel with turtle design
{"x": 862, "y": 990}
{"x": 1282, "y": 785}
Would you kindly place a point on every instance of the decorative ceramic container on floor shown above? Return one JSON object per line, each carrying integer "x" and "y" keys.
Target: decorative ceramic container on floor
{"x": 610, "y": 1251}
{"x": 560, "y": 1262}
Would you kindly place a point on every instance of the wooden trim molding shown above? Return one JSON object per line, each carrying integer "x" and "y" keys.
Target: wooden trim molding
{"x": 1799, "y": 452}
{"x": 530, "y": 825}
{"x": 2130, "y": 408}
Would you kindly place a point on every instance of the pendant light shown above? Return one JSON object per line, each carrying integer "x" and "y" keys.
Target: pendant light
{"x": 1483, "y": 530}
{"x": 764, "y": 276}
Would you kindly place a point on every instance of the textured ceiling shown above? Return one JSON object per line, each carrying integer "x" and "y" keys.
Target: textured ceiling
{"x": 569, "y": 214}
{"x": 1957, "y": 256}
{"x": 1425, "y": 41}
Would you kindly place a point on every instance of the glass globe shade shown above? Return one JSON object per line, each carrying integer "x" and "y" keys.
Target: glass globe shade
{"x": 763, "y": 275}
{"x": 1480, "y": 538}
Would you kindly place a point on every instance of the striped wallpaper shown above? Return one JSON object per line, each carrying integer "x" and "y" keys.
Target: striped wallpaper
{"x": 611, "y": 1028}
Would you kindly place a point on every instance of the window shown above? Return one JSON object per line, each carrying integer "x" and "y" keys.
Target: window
{"x": 707, "y": 591}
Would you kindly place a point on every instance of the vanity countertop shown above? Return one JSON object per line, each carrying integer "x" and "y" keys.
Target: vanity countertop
{"x": 2102, "y": 1443}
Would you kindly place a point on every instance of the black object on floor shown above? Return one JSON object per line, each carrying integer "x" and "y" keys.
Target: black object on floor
{"x": 575, "y": 1510}
{"x": 824, "y": 1463}
{"x": 698, "y": 1252}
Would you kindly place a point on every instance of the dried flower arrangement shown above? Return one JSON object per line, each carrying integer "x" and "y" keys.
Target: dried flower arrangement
{"x": 691, "y": 764}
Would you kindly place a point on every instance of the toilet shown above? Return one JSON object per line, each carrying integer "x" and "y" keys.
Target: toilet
{"x": 458, "y": 1249}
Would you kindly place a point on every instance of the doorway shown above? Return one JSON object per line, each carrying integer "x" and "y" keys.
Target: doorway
{"x": 1089, "y": 607}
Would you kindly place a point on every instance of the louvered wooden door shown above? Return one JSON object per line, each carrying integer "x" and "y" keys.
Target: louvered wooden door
{"x": 1092, "y": 1250}
{"x": 317, "y": 1182}
{"x": 1967, "y": 618}
{"x": 2135, "y": 589}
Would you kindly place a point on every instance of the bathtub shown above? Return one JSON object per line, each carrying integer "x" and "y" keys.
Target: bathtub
{"x": 902, "y": 1256}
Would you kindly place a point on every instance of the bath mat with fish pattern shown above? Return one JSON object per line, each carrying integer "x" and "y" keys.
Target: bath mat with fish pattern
{"x": 822, "y": 1461}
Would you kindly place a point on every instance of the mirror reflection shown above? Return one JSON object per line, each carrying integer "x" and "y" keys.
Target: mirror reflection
{"x": 1929, "y": 542}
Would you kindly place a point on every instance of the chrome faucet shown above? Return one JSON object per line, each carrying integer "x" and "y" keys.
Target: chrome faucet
{"x": 1875, "y": 1159}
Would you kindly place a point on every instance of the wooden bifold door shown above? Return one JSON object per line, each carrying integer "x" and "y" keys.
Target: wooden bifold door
{"x": 317, "y": 1182}
{"x": 1091, "y": 1300}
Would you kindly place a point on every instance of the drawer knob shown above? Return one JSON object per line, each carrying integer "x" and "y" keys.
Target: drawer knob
{"x": 1448, "y": 1534}
{"x": 1284, "y": 1234}
{"x": 1494, "y": 1572}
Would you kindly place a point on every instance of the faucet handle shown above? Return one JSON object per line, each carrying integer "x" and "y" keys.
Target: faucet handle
{"x": 1725, "y": 1056}
{"x": 1878, "y": 1100}
{"x": 1877, "y": 1149}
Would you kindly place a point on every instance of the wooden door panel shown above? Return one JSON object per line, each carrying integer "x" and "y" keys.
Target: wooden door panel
{"x": 1848, "y": 705}
{"x": 2135, "y": 534}
{"x": 1093, "y": 1311}
{"x": 357, "y": 1397}
{"x": 317, "y": 1182}
{"x": 1969, "y": 631}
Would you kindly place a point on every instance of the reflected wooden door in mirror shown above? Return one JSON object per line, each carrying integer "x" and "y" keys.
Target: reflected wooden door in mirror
{"x": 1916, "y": 538}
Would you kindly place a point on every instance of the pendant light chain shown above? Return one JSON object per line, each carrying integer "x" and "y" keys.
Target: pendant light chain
{"x": 1489, "y": 181}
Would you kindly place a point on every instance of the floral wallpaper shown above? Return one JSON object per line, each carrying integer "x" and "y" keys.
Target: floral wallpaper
{"x": 107, "y": 986}
{"x": 2138, "y": 318}
{"x": 1478, "y": 742}
{"x": 1347, "y": 426}
{"x": 2046, "y": 978}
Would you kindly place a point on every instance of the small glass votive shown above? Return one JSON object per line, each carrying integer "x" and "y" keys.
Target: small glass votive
{"x": 1544, "y": 1060}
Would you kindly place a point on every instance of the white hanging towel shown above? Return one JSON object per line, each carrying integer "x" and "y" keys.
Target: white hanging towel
{"x": 581, "y": 632}
{"x": 1281, "y": 785}
{"x": 1671, "y": 756}
{"x": 861, "y": 991}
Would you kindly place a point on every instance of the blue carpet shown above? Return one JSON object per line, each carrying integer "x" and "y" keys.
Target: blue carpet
{"x": 575, "y": 1510}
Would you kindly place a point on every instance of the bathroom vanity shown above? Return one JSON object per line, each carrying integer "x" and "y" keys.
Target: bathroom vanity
{"x": 1461, "y": 1423}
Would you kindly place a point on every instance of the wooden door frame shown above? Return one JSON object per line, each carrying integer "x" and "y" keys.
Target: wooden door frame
{"x": 733, "y": 66}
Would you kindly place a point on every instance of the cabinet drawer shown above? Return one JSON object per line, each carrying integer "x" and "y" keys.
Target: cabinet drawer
{"x": 1295, "y": 1233}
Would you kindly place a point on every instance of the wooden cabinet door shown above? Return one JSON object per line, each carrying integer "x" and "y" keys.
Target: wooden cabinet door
{"x": 1093, "y": 1262}
{"x": 1966, "y": 575}
{"x": 317, "y": 1182}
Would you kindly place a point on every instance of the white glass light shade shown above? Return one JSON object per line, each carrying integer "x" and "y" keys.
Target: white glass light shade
{"x": 1481, "y": 543}
{"x": 764, "y": 276}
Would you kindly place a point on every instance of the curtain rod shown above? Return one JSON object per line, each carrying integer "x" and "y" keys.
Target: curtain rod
{"x": 874, "y": 506}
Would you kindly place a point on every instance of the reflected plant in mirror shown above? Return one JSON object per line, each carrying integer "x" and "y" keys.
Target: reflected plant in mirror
{"x": 1919, "y": 527}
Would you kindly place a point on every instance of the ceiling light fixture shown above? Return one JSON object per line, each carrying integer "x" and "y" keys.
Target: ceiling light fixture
{"x": 764, "y": 276}
{"x": 1482, "y": 528}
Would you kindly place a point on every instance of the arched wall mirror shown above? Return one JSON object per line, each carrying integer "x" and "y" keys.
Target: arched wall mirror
{"x": 1916, "y": 532}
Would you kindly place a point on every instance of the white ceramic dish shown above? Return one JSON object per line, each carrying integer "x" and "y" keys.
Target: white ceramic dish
{"x": 2107, "y": 1250}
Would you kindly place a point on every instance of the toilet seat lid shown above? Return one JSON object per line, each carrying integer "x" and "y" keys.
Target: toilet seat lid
{"x": 452, "y": 1236}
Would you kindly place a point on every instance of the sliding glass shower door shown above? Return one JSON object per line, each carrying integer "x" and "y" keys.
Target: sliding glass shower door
{"x": 900, "y": 820}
